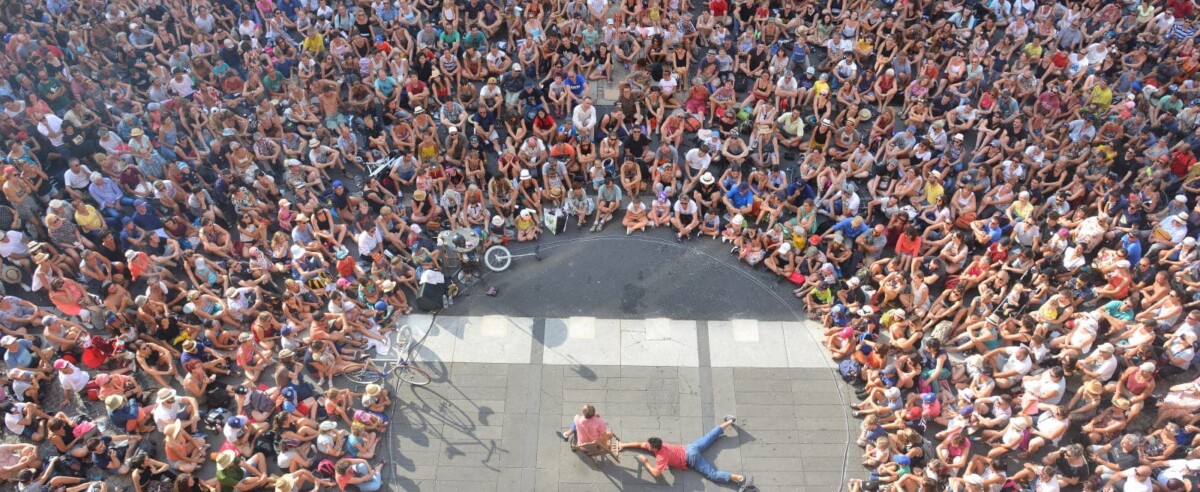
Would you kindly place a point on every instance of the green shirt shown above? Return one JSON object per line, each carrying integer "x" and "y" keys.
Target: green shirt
{"x": 231, "y": 476}
{"x": 1113, "y": 308}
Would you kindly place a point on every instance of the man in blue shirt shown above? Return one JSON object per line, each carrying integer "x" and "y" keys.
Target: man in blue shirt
{"x": 1133, "y": 247}
{"x": 740, "y": 200}
{"x": 145, "y": 218}
{"x": 851, "y": 228}
{"x": 21, "y": 353}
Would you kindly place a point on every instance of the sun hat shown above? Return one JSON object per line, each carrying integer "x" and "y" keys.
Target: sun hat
{"x": 225, "y": 459}
{"x": 419, "y": 195}
{"x": 707, "y": 178}
{"x": 114, "y": 402}
{"x": 136, "y": 132}
{"x": 498, "y": 221}
{"x": 373, "y": 389}
{"x": 387, "y": 285}
{"x": 525, "y": 175}
{"x": 1094, "y": 387}
{"x": 165, "y": 394}
{"x": 328, "y": 425}
{"x": 313, "y": 143}
{"x": 285, "y": 353}
{"x": 61, "y": 364}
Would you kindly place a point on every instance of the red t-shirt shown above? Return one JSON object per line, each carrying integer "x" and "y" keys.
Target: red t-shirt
{"x": 718, "y": 7}
{"x": 669, "y": 455}
{"x": 1181, "y": 8}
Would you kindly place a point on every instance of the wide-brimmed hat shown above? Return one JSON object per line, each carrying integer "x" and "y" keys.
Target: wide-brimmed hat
{"x": 707, "y": 178}
{"x": 114, "y": 402}
{"x": 225, "y": 459}
{"x": 165, "y": 394}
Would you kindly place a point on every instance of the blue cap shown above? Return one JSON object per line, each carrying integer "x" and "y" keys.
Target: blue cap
{"x": 289, "y": 407}
{"x": 337, "y": 183}
{"x": 903, "y": 460}
{"x": 928, "y": 397}
{"x": 126, "y": 221}
{"x": 236, "y": 421}
{"x": 287, "y": 330}
{"x": 183, "y": 165}
{"x": 380, "y": 305}
{"x": 289, "y": 393}
{"x": 140, "y": 203}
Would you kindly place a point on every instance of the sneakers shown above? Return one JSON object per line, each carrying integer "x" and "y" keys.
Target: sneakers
{"x": 562, "y": 435}
{"x": 746, "y": 484}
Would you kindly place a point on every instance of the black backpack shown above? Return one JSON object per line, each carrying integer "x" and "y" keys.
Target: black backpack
{"x": 267, "y": 443}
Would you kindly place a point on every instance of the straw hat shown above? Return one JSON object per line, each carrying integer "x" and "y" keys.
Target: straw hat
{"x": 284, "y": 484}
{"x": 1094, "y": 387}
{"x": 166, "y": 393}
{"x": 114, "y": 402}
{"x": 373, "y": 389}
{"x": 225, "y": 459}
{"x": 41, "y": 257}
{"x": 173, "y": 429}
{"x": 11, "y": 274}
{"x": 328, "y": 425}
{"x": 136, "y": 132}
{"x": 387, "y": 285}
{"x": 419, "y": 195}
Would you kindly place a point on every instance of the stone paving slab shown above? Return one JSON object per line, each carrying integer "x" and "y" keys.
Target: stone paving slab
{"x": 490, "y": 426}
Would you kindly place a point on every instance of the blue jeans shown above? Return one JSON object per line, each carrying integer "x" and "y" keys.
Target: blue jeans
{"x": 697, "y": 462}
{"x": 113, "y": 213}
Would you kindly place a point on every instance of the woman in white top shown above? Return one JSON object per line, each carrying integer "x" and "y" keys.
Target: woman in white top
{"x": 635, "y": 217}
{"x": 1052, "y": 424}
{"x": 72, "y": 379}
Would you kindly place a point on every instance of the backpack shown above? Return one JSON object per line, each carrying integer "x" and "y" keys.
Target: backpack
{"x": 267, "y": 443}
{"x": 849, "y": 370}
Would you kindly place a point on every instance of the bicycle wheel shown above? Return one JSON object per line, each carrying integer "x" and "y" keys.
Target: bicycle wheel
{"x": 413, "y": 375}
{"x": 404, "y": 338}
{"x": 497, "y": 258}
{"x": 363, "y": 376}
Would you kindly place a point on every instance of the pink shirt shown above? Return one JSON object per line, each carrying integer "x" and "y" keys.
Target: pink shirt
{"x": 589, "y": 430}
{"x": 670, "y": 455}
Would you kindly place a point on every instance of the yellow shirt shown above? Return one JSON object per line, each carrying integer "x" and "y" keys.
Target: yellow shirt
{"x": 89, "y": 220}
{"x": 820, "y": 85}
{"x": 1033, "y": 50}
{"x": 1101, "y": 96}
{"x": 314, "y": 43}
{"x": 1022, "y": 211}
{"x": 933, "y": 191}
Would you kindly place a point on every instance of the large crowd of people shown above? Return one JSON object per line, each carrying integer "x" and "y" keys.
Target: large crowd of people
{"x": 211, "y": 210}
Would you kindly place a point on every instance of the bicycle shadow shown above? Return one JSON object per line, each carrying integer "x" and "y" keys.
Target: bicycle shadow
{"x": 429, "y": 416}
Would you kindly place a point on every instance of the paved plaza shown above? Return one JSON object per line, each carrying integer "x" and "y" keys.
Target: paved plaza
{"x": 502, "y": 386}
